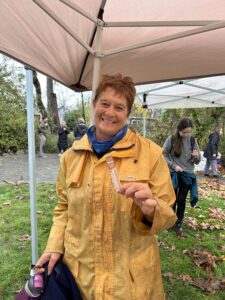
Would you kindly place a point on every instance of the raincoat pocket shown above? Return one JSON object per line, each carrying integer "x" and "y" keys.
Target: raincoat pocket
{"x": 70, "y": 260}
{"x": 142, "y": 274}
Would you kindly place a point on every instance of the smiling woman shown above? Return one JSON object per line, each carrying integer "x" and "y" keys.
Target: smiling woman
{"x": 110, "y": 114}
{"x": 107, "y": 236}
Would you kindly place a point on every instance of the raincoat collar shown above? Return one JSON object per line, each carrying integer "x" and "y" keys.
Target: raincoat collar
{"x": 127, "y": 142}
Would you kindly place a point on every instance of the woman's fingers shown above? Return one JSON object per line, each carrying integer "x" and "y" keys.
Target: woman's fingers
{"x": 142, "y": 196}
{"x": 136, "y": 190}
{"x": 51, "y": 257}
{"x": 53, "y": 260}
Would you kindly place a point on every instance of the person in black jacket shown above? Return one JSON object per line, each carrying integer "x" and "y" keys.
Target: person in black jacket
{"x": 80, "y": 129}
{"x": 62, "y": 138}
{"x": 211, "y": 152}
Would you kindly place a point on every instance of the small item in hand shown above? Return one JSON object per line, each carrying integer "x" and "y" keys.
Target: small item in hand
{"x": 35, "y": 284}
{"x": 113, "y": 173}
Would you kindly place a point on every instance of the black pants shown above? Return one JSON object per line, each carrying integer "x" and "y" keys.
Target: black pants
{"x": 181, "y": 196}
{"x": 62, "y": 149}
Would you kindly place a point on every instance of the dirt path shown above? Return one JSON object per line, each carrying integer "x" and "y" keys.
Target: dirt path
{"x": 15, "y": 167}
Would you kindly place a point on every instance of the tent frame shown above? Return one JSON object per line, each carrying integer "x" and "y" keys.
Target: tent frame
{"x": 184, "y": 82}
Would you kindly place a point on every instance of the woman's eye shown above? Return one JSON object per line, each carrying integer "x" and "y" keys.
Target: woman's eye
{"x": 119, "y": 108}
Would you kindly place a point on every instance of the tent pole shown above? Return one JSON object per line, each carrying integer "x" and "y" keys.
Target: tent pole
{"x": 31, "y": 156}
{"x": 97, "y": 63}
{"x": 144, "y": 123}
{"x": 145, "y": 106}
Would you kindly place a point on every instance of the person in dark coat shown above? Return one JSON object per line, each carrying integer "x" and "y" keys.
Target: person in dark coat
{"x": 211, "y": 152}
{"x": 62, "y": 138}
{"x": 80, "y": 129}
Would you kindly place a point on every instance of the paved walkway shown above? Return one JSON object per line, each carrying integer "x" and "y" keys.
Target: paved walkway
{"x": 15, "y": 168}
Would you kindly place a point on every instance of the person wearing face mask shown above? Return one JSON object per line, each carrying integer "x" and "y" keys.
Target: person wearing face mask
{"x": 107, "y": 234}
{"x": 181, "y": 152}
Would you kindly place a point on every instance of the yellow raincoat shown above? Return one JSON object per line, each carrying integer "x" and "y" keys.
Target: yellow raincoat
{"x": 109, "y": 250}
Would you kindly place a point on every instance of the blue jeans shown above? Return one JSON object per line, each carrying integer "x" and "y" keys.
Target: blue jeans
{"x": 213, "y": 164}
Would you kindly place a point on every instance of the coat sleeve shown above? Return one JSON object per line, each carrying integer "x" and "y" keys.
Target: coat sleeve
{"x": 162, "y": 189}
{"x": 214, "y": 145}
{"x": 56, "y": 237}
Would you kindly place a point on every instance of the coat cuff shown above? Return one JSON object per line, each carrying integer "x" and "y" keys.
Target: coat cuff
{"x": 164, "y": 217}
{"x": 138, "y": 220}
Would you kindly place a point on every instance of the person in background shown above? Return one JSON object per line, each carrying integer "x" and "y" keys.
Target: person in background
{"x": 62, "y": 138}
{"x": 182, "y": 152}
{"x": 80, "y": 129}
{"x": 211, "y": 152}
{"x": 108, "y": 237}
{"x": 43, "y": 129}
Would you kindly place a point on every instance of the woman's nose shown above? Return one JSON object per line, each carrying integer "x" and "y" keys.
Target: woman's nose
{"x": 110, "y": 111}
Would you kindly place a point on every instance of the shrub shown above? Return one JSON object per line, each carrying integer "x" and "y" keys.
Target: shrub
{"x": 51, "y": 143}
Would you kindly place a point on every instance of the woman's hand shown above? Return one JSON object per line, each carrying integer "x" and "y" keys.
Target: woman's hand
{"x": 52, "y": 257}
{"x": 178, "y": 169}
{"x": 195, "y": 154}
{"x": 141, "y": 195}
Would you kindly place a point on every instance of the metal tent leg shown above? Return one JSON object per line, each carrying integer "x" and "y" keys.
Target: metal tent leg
{"x": 31, "y": 153}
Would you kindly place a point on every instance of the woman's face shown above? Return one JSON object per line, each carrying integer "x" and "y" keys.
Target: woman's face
{"x": 110, "y": 114}
{"x": 186, "y": 131}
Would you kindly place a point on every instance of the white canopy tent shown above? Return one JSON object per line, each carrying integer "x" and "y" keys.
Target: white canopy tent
{"x": 194, "y": 93}
{"x": 75, "y": 41}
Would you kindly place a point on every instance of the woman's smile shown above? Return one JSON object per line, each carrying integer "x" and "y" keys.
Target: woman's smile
{"x": 110, "y": 114}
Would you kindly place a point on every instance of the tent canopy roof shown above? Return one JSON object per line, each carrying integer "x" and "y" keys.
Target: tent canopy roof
{"x": 181, "y": 39}
{"x": 195, "y": 93}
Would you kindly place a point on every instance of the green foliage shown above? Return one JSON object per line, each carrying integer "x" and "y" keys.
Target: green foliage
{"x": 71, "y": 117}
{"x": 70, "y": 139}
{"x": 51, "y": 143}
{"x": 13, "y": 134}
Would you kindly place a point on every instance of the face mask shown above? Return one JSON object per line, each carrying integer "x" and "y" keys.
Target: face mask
{"x": 185, "y": 134}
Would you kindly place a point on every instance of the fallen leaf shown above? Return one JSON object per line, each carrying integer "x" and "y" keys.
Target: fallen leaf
{"x": 19, "y": 182}
{"x": 7, "y": 202}
{"x": 20, "y": 197}
{"x": 25, "y": 237}
{"x": 52, "y": 197}
{"x": 10, "y": 182}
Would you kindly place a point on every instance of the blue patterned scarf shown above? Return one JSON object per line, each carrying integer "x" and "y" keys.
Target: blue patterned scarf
{"x": 101, "y": 147}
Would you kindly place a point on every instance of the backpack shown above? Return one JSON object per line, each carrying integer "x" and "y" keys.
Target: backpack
{"x": 192, "y": 140}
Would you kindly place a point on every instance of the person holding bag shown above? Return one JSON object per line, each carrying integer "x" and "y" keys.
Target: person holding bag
{"x": 181, "y": 152}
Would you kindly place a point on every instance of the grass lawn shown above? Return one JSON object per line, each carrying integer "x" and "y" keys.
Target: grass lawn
{"x": 187, "y": 262}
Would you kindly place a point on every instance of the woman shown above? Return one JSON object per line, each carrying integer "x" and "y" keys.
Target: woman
{"x": 108, "y": 239}
{"x": 62, "y": 138}
{"x": 182, "y": 153}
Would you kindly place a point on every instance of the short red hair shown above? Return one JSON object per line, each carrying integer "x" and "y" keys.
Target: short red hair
{"x": 123, "y": 85}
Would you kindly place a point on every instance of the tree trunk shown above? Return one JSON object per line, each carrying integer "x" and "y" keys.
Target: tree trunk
{"x": 54, "y": 112}
{"x": 52, "y": 106}
{"x": 40, "y": 104}
{"x": 49, "y": 89}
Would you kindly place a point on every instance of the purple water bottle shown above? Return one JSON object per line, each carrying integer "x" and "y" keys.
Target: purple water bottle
{"x": 34, "y": 285}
